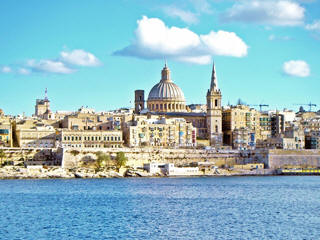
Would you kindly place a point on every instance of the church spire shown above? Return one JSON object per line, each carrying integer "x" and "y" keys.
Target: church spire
{"x": 214, "y": 81}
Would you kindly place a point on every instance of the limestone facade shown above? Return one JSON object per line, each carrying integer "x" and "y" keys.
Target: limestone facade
{"x": 89, "y": 139}
{"x": 175, "y": 132}
{"x": 37, "y": 137}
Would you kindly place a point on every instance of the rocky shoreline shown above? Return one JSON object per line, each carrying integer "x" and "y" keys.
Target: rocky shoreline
{"x": 14, "y": 172}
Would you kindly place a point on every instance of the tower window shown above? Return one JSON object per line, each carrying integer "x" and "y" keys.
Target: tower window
{"x": 216, "y": 128}
{"x": 216, "y": 103}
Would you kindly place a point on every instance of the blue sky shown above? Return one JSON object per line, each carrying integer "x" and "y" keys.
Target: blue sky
{"x": 96, "y": 53}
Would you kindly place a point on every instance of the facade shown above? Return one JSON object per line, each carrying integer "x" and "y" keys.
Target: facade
{"x": 240, "y": 118}
{"x": 37, "y": 137}
{"x": 277, "y": 125}
{"x": 166, "y": 96}
{"x": 175, "y": 132}
{"x": 243, "y": 139}
{"x": 265, "y": 126}
{"x": 89, "y": 139}
{"x": 5, "y": 134}
{"x": 312, "y": 140}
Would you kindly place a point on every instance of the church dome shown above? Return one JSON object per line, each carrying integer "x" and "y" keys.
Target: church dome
{"x": 166, "y": 91}
{"x": 166, "y": 96}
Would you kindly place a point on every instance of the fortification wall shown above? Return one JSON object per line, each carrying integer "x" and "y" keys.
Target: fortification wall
{"x": 294, "y": 158}
{"x": 279, "y": 158}
{"x": 32, "y": 156}
{"x": 138, "y": 156}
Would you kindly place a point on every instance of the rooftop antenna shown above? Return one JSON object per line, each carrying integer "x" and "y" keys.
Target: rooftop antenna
{"x": 46, "y": 94}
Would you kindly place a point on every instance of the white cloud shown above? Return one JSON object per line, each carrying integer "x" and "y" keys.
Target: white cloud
{"x": 24, "y": 71}
{"x": 79, "y": 57}
{"x": 296, "y": 68}
{"x": 49, "y": 66}
{"x": 273, "y": 37}
{"x": 315, "y": 26}
{"x": 154, "y": 40}
{"x": 185, "y": 16}
{"x": 6, "y": 69}
{"x": 201, "y": 6}
{"x": 280, "y": 13}
{"x": 224, "y": 43}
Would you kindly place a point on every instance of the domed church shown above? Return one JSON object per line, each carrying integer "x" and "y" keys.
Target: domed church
{"x": 166, "y": 96}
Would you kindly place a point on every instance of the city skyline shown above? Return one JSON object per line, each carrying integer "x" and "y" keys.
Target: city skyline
{"x": 96, "y": 54}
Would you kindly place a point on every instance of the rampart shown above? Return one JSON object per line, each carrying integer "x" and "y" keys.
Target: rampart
{"x": 138, "y": 156}
{"x": 279, "y": 158}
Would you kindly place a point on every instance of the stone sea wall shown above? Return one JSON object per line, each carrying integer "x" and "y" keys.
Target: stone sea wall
{"x": 279, "y": 158}
{"x": 138, "y": 156}
{"x": 73, "y": 157}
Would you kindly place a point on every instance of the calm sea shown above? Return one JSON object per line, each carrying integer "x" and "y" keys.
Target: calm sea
{"x": 161, "y": 208}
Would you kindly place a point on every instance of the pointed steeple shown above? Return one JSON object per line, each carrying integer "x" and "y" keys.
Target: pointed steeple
{"x": 214, "y": 81}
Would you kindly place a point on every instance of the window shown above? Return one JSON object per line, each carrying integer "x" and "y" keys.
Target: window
{"x": 216, "y": 102}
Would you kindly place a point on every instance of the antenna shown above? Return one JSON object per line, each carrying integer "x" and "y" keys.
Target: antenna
{"x": 46, "y": 94}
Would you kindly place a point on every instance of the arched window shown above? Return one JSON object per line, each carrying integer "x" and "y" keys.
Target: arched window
{"x": 157, "y": 107}
{"x": 216, "y": 128}
{"x": 216, "y": 103}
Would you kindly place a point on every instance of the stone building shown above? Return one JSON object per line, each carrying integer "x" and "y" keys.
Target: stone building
{"x": 89, "y": 138}
{"x": 36, "y": 137}
{"x": 174, "y": 132}
{"x": 243, "y": 139}
{"x": 5, "y": 130}
{"x": 42, "y": 107}
{"x": 312, "y": 140}
{"x": 240, "y": 117}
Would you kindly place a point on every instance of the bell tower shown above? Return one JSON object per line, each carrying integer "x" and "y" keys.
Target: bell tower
{"x": 214, "y": 111}
{"x": 138, "y": 101}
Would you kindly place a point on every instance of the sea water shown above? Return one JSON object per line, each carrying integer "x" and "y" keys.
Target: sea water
{"x": 161, "y": 208}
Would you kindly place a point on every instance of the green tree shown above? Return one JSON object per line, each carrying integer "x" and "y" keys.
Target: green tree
{"x": 103, "y": 160}
{"x": 2, "y": 156}
{"x": 121, "y": 160}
